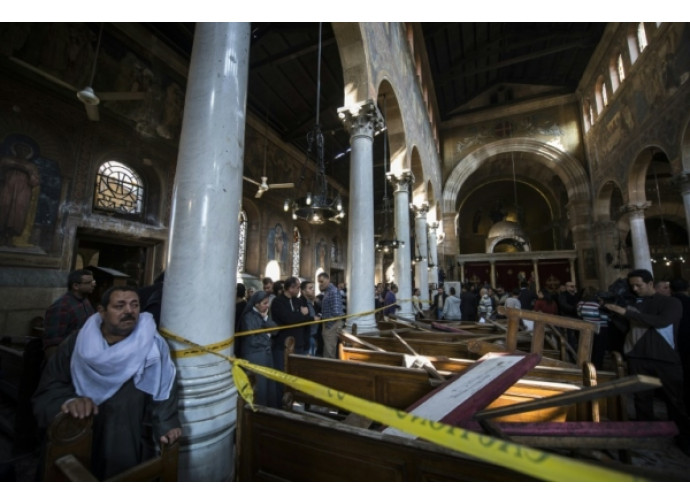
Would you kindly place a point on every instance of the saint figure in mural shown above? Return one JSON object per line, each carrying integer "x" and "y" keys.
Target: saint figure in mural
{"x": 277, "y": 251}
{"x": 19, "y": 181}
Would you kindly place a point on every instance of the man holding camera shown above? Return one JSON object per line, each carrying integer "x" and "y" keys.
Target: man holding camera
{"x": 650, "y": 349}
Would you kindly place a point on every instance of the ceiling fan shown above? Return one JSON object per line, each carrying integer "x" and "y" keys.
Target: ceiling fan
{"x": 265, "y": 186}
{"x": 86, "y": 95}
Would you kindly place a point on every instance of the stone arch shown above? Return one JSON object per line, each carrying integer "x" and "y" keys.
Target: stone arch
{"x": 602, "y": 202}
{"x": 566, "y": 167}
{"x": 354, "y": 59}
{"x": 637, "y": 175}
{"x": 395, "y": 128}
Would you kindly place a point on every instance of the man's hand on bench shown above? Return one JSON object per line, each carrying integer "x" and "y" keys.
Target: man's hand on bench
{"x": 79, "y": 407}
{"x": 171, "y": 436}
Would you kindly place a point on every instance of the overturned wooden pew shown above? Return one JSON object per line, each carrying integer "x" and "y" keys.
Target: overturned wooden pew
{"x": 400, "y": 387}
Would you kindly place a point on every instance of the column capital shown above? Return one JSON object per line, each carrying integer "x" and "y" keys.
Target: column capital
{"x": 420, "y": 209}
{"x": 362, "y": 119}
{"x": 433, "y": 226}
{"x": 401, "y": 180}
{"x": 636, "y": 209}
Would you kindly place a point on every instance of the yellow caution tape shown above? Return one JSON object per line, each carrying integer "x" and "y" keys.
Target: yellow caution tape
{"x": 530, "y": 461}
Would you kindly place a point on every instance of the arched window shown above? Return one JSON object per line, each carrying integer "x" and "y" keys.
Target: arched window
{"x": 604, "y": 94}
{"x": 591, "y": 114}
{"x": 621, "y": 69}
{"x": 119, "y": 189}
{"x": 242, "y": 255}
{"x": 296, "y": 250}
{"x": 641, "y": 37}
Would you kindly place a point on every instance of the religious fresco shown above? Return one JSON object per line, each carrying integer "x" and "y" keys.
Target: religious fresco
{"x": 277, "y": 249}
{"x": 29, "y": 196}
{"x": 321, "y": 255}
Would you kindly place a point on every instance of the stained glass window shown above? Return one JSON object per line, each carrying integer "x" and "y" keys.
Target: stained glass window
{"x": 641, "y": 37}
{"x": 621, "y": 68}
{"x": 119, "y": 189}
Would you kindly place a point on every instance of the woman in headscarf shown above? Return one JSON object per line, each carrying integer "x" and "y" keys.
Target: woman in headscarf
{"x": 256, "y": 348}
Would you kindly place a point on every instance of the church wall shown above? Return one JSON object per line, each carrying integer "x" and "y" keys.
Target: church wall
{"x": 555, "y": 122}
{"x": 648, "y": 110}
{"x": 389, "y": 58}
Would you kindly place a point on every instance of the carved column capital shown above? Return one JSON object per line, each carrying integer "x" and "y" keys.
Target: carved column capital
{"x": 636, "y": 210}
{"x": 433, "y": 226}
{"x": 401, "y": 181}
{"x": 362, "y": 119}
{"x": 420, "y": 209}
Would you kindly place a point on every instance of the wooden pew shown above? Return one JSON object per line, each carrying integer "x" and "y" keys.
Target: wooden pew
{"x": 68, "y": 455}
{"x": 611, "y": 408}
{"x": 541, "y": 320}
{"x": 400, "y": 387}
{"x": 278, "y": 445}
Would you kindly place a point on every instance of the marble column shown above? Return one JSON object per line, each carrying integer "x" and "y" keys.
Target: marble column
{"x": 683, "y": 180}
{"x": 380, "y": 274}
{"x": 362, "y": 120}
{"x": 402, "y": 255}
{"x": 492, "y": 274}
{"x": 638, "y": 232}
{"x": 535, "y": 268}
{"x": 421, "y": 271}
{"x": 433, "y": 253}
{"x": 199, "y": 294}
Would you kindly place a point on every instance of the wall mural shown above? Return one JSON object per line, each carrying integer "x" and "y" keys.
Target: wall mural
{"x": 29, "y": 196}
{"x": 321, "y": 255}
{"x": 277, "y": 249}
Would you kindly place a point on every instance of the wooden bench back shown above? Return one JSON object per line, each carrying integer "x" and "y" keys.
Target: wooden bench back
{"x": 68, "y": 455}
{"x": 401, "y": 387}
{"x": 278, "y": 445}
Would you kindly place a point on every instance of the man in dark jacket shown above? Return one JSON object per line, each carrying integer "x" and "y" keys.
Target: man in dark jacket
{"x": 650, "y": 349}
{"x": 439, "y": 301}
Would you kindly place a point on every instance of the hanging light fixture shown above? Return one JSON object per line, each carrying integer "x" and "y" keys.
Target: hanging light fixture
{"x": 317, "y": 206}
{"x": 387, "y": 243}
{"x": 667, "y": 257}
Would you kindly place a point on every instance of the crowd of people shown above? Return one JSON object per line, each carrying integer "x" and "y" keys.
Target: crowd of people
{"x": 111, "y": 362}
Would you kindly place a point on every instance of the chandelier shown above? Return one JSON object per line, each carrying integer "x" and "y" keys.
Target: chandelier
{"x": 666, "y": 255}
{"x": 386, "y": 243}
{"x": 317, "y": 206}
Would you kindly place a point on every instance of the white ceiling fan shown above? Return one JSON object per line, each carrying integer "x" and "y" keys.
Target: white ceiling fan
{"x": 265, "y": 186}
{"x": 86, "y": 95}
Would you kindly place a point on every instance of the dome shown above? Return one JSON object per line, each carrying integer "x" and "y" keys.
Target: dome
{"x": 506, "y": 229}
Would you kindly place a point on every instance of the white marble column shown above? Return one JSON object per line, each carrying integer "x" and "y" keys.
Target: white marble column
{"x": 402, "y": 255}
{"x": 199, "y": 293}
{"x": 421, "y": 271}
{"x": 433, "y": 254}
{"x": 362, "y": 120}
{"x": 638, "y": 232}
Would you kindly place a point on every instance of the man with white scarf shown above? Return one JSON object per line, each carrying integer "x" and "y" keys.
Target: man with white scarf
{"x": 117, "y": 368}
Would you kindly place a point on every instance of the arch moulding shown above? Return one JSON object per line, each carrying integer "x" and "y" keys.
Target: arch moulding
{"x": 567, "y": 168}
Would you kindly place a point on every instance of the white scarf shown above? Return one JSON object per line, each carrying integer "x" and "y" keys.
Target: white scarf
{"x": 99, "y": 370}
